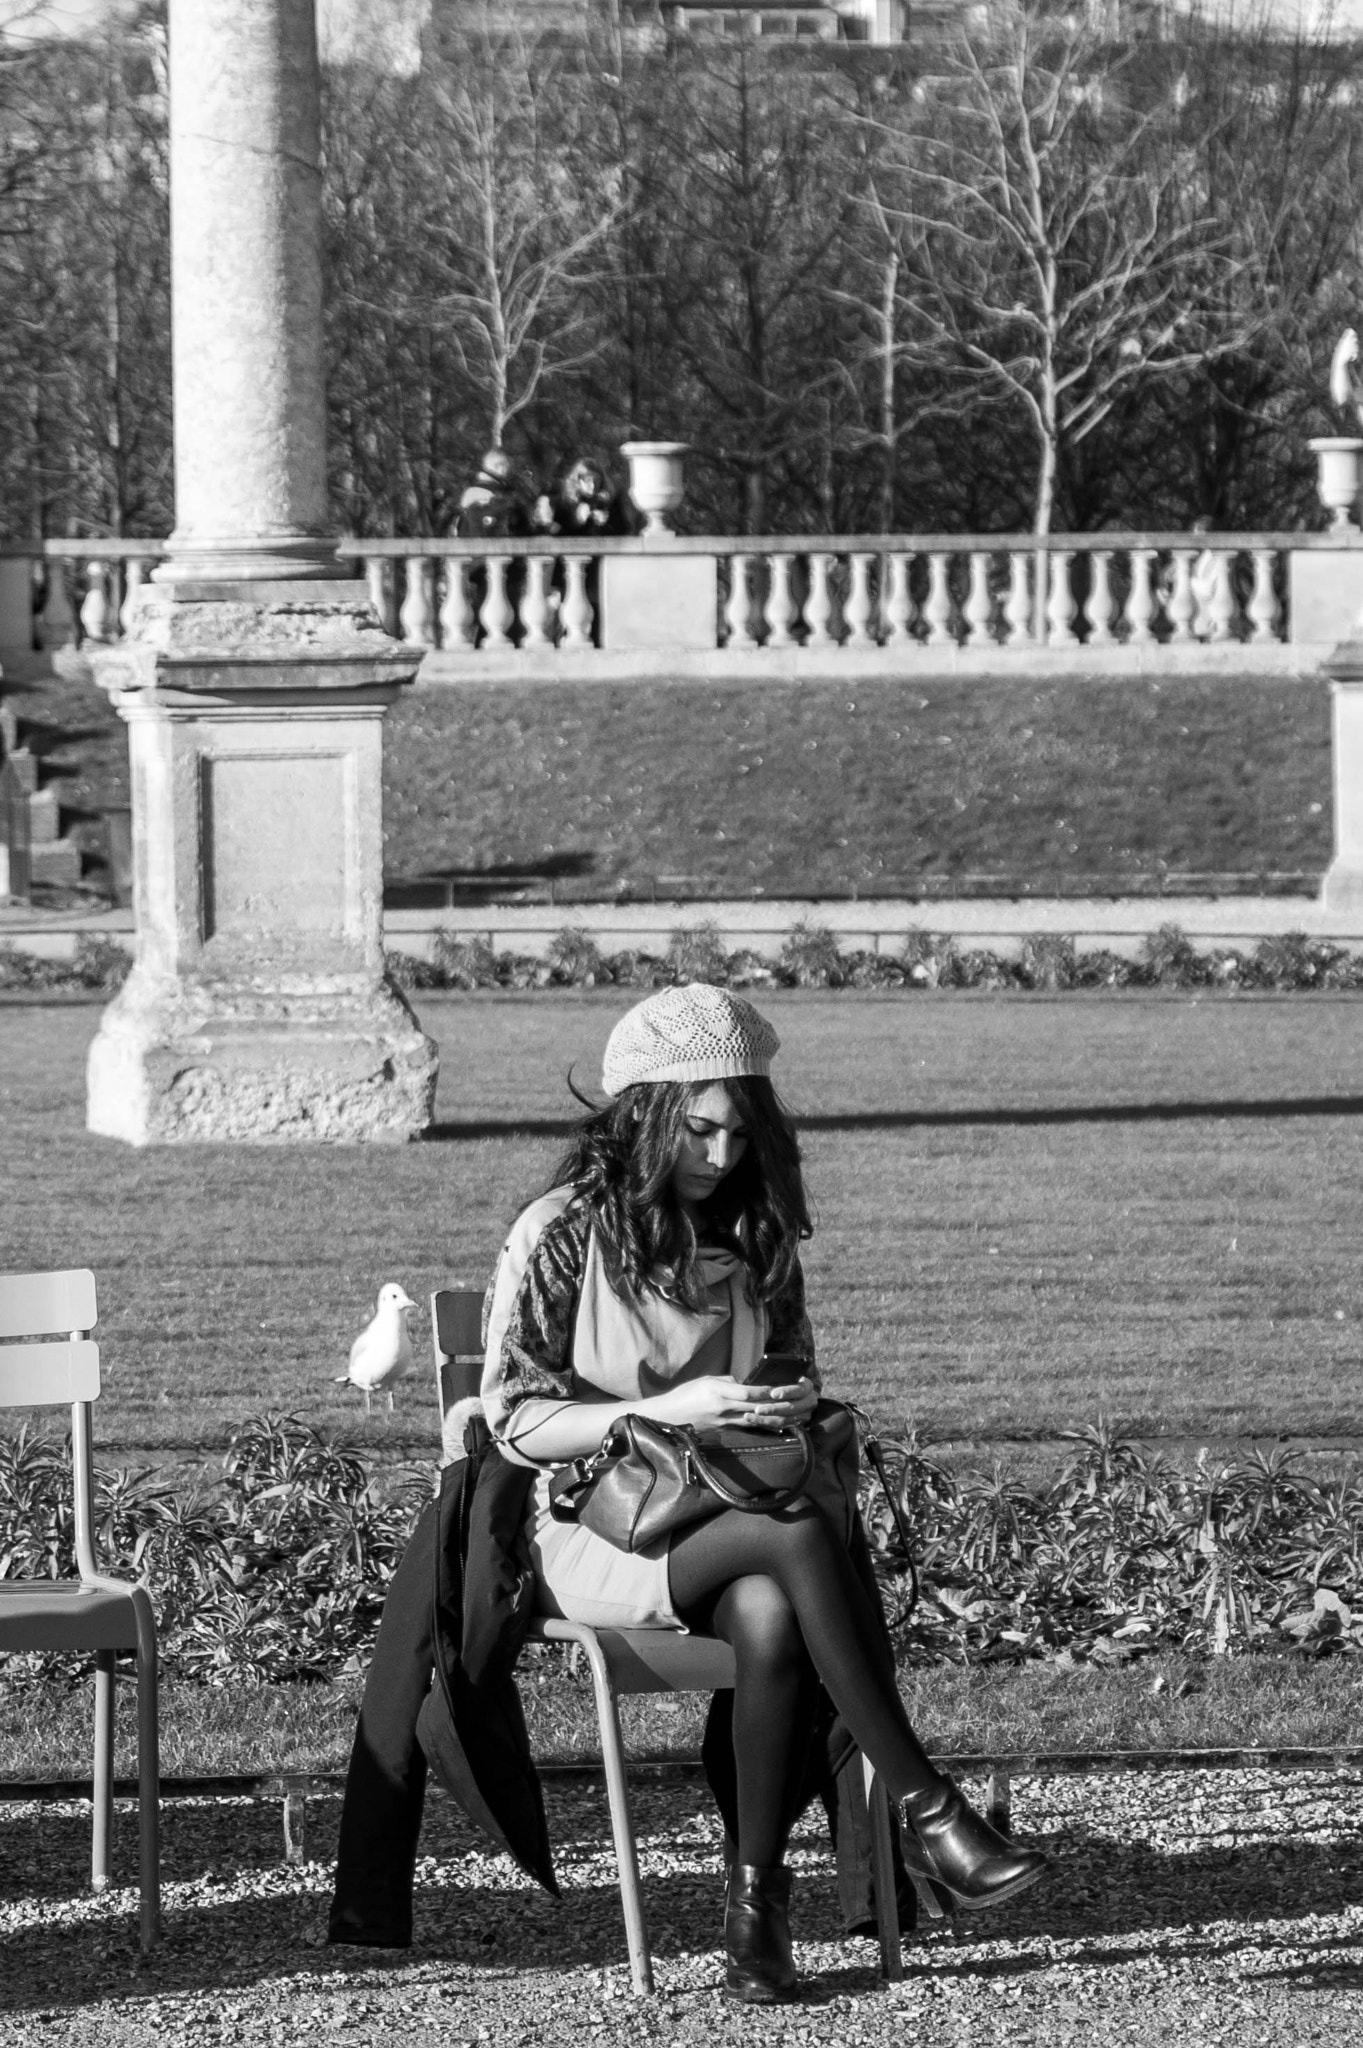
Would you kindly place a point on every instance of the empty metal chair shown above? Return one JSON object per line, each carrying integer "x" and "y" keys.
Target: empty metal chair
{"x": 46, "y": 1359}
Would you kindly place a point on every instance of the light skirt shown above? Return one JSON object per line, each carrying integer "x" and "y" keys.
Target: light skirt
{"x": 581, "y": 1577}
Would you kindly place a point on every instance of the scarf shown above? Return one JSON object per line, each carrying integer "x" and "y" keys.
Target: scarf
{"x": 628, "y": 1344}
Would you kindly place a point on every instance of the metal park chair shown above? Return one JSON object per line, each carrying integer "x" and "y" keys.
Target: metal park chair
{"x": 46, "y": 1359}
{"x": 639, "y": 1660}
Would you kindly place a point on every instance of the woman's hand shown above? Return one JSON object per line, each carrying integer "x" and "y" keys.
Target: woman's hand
{"x": 705, "y": 1403}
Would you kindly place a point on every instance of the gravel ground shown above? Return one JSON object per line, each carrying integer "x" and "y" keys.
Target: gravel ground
{"x": 1226, "y": 1904}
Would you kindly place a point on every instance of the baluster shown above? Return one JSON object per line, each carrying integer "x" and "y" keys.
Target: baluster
{"x": 979, "y": 605}
{"x": 819, "y": 604}
{"x": 1017, "y": 608}
{"x": 1180, "y": 605}
{"x": 1098, "y": 610}
{"x": 899, "y": 603}
{"x": 736, "y": 611}
{"x": 1263, "y": 604}
{"x": 1221, "y": 604}
{"x": 1041, "y": 593}
{"x": 937, "y": 610}
{"x": 535, "y": 607}
{"x": 576, "y": 612}
{"x": 57, "y": 627}
{"x": 96, "y": 612}
{"x": 498, "y": 615}
{"x": 417, "y": 617}
{"x": 1060, "y": 603}
{"x": 858, "y": 609}
{"x": 458, "y": 621}
{"x": 134, "y": 573}
{"x": 381, "y": 585}
{"x": 1140, "y": 606}
{"x": 780, "y": 608}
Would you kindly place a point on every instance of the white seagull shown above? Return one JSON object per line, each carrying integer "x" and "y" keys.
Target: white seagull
{"x": 382, "y": 1352}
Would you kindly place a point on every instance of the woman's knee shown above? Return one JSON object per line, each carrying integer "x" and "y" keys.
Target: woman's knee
{"x": 807, "y": 1535}
{"x": 758, "y": 1619}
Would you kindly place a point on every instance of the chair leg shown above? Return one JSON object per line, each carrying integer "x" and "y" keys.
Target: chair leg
{"x": 998, "y": 1799}
{"x": 148, "y": 1782}
{"x": 622, "y": 1821}
{"x": 103, "y": 1818}
{"x": 883, "y": 1877}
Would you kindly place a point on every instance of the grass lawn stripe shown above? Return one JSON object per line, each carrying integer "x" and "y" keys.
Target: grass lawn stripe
{"x": 820, "y": 786}
{"x": 1178, "y": 1250}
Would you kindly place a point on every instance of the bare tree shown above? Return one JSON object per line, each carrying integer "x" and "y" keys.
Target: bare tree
{"x": 757, "y": 206}
{"x": 1049, "y": 184}
{"x": 84, "y": 326}
{"x": 1278, "y": 165}
{"x": 512, "y": 243}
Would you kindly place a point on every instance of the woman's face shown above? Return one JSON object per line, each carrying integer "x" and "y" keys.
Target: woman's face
{"x": 712, "y": 1143}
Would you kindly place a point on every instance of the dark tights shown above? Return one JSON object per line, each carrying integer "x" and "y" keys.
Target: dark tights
{"x": 784, "y": 1592}
{"x": 774, "y": 1707}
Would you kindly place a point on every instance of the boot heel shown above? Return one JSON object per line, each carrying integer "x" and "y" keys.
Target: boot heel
{"x": 951, "y": 1851}
{"x": 932, "y": 1900}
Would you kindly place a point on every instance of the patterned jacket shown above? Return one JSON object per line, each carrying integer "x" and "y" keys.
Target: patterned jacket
{"x": 531, "y": 1304}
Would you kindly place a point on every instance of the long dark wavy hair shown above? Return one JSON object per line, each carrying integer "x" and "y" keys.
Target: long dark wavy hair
{"x": 621, "y": 1160}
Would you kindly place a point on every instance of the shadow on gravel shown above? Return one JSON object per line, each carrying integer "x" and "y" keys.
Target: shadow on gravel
{"x": 1335, "y": 1965}
{"x": 216, "y": 1948}
{"x": 238, "y": 1917}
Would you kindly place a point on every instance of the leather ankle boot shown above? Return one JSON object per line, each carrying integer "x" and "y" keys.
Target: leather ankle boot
{"x": 953, "y": 1854}
{"x": 761, "y": 1969}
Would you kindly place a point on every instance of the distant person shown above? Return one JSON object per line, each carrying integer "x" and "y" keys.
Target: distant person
{"x": 584, "y": 505}
{"x": 1202, "y": 582}
{"x": 496, "y": 505}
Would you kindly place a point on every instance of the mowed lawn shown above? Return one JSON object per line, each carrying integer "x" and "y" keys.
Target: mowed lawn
{"x": 1023, "y": 782}
{"x": 1030, "y": 1211}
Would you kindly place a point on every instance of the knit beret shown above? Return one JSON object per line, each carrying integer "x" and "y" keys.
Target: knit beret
{"x": 696, "y": 1033}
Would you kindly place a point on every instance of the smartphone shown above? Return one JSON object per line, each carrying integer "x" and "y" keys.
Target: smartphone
{"x": 780, "y": 1369}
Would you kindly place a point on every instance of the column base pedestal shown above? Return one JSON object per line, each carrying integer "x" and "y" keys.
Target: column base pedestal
{"x": 1341, "y": 890}
{"x": 173, "y": 1064}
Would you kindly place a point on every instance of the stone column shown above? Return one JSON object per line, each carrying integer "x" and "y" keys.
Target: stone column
{"x": 246, "y": 323}
{"x": 254, "y": 680}
{"x": 1342, "y": 888}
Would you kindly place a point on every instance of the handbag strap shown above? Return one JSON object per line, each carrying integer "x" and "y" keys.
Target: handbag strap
{"x": 748, "y": 1503}
{"x": 871, "y": 1445}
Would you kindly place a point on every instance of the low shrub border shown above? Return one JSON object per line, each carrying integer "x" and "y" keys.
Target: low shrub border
{"x": 100, "y": 967}
{"x": 810, "y": 957}
{"x": 278, "y": 1571}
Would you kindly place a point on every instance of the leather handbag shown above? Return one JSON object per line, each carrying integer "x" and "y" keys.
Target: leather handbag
{"x": 651, "y": 1479}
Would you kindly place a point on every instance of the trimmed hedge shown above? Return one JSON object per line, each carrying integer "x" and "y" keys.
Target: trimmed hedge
{"x": 810, "y": 957}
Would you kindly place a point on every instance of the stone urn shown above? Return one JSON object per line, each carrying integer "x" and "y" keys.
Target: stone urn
{"x": 1340, "y": 457}
{"x": 656, "y": 480}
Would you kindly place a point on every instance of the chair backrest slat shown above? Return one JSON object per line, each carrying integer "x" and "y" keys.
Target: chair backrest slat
{"x": 457, "y": 1328}
{"x": 458, "y": 1316}
{"x": 46, "y": 1304}
{"x": 49, "y": 1375}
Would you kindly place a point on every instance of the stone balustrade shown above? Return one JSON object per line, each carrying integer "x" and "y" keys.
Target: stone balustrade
{"x": 70, "y": 590}
{"x": 764, "y": 601}
{"x": 850, "y": 593}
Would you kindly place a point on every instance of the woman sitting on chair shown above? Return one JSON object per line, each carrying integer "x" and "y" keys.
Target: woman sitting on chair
{"x": 651, "y": 1280}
